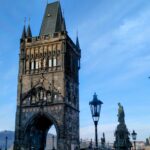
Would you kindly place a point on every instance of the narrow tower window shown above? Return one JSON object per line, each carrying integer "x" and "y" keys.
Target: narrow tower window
{"x": 54, "y": 62}
{"x": 50, "y": 63}
{"x": 44, "y": 63}
{"x": 32, "y": 65}
{"x": 36, "y": 64}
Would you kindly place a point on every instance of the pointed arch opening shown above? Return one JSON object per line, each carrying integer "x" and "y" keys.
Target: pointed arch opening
{"x": 39, "y": 133}
{"x": 51, "y": 140}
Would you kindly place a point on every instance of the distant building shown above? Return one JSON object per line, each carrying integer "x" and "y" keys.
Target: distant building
{"x": 84, "y": 145}
{"x": 140, "y": 145}
{"x": 147, "y": 148}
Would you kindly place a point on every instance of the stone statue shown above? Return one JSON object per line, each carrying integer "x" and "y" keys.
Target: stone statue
{"x": 122, "y": 141}
{"x": 121, "y": 114}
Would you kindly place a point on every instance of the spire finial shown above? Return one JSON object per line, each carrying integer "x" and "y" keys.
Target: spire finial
{"x": 29, "y": 20}
{"x": 29, "y": 33}
{"x": 24, "y": 30}
{"x": 77, "y": 41}
{"x": 95, "y": 96}
{"x": 24, "y": 21}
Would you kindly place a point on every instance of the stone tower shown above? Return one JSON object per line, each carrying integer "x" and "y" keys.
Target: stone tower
{"x": 48, "y": 85}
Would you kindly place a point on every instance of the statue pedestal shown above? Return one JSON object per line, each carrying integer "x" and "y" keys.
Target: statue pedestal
{"x": 122, "y": 141}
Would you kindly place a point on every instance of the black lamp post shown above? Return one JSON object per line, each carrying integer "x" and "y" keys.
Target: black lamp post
{"x": 134, "y": 134}
{"x": 6, "y": 138}
{"x": 95, "y": 106}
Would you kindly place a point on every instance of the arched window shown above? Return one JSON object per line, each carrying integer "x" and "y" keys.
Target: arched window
{"x": 32, "y": 65}
{"x": 54, "y": 62}
{"x": 36, "y": 64}
{"x": 44, "y": 63}
{"x": 50, "y": 62}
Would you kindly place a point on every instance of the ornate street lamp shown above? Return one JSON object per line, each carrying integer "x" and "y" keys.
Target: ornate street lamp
{"x": 134, "y": 134}
{"x": 95, "y": 106}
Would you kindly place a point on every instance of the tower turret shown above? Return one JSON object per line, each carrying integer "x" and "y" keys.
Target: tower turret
{"x": 24, "y": 34}
{"x": 77, "y": 42}
{"x": 29, "y": 33}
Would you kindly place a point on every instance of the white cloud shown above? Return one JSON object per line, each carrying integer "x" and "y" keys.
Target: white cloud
{"x": 120, "y": 47}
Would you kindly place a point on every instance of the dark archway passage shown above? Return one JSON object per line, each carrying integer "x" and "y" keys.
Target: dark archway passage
{"x": 36, "y": 132}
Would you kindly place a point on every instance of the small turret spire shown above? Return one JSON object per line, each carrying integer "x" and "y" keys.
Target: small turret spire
{"x": 24, "y": 33}
{"x": 77, "y": 42}
{"x": 29, "y": 33}
{"x": 53, "y": 20}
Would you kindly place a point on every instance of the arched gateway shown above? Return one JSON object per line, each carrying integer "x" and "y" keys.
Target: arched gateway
{"x": 36, "y": 131}
{"x": 48, "y": 85}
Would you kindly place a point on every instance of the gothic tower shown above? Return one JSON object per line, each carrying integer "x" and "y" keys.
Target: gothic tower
{"x": 48, "y": 85}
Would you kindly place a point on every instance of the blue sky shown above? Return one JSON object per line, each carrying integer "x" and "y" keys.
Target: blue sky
{"x": 115, "y": 41}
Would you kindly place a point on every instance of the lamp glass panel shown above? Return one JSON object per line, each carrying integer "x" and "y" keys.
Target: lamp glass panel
{"x": 134, "y": 136}
{"x": 95, "y": 118}
{"x": 92, "y": 109}
{"x": 95, "y": 110}
{"x": 98, "y": 109}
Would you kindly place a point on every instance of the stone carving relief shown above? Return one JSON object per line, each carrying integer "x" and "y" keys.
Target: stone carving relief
{"x": 40, "y": 95}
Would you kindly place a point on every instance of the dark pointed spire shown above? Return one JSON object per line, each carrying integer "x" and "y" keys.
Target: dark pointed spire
{"x": 29, "y": 33}
{"x": 77, "y": 42}
{"x": 24, "y": 35}
{"x": 53, "y": 20}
